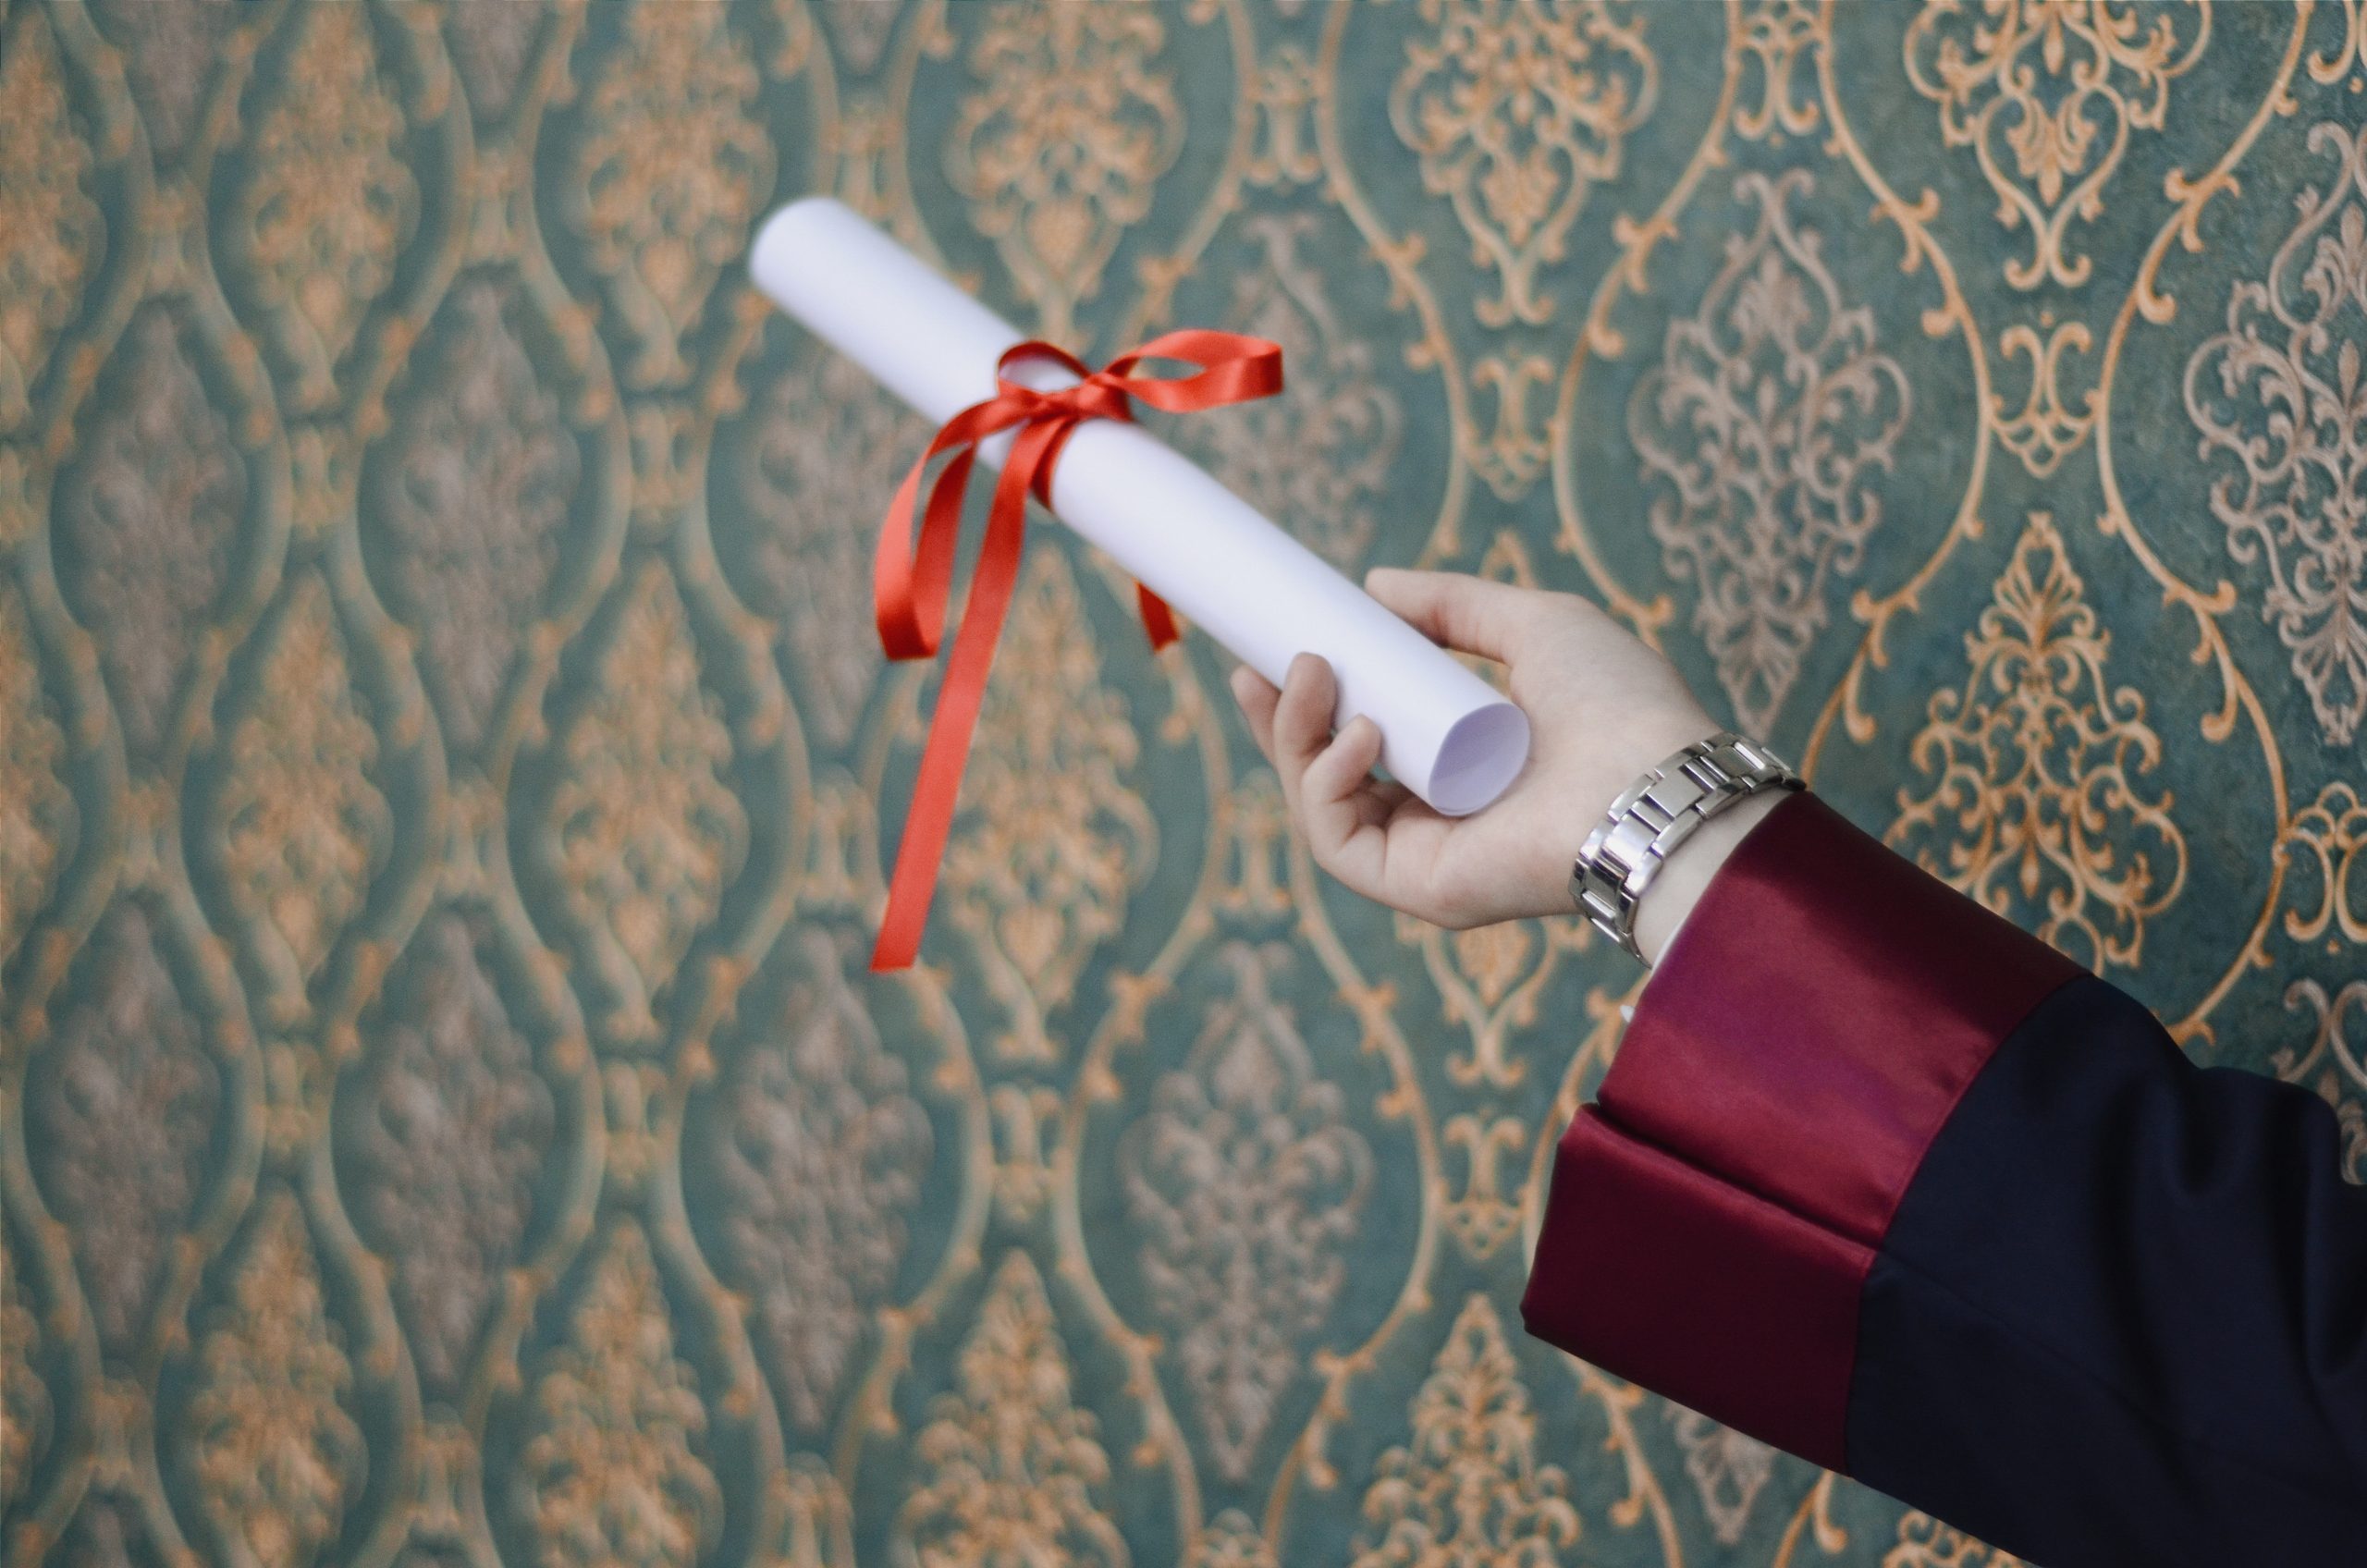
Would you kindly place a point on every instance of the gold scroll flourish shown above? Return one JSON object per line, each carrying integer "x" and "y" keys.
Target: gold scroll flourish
{"x": 2036, "y": 762}
{"x": 2145, "y": 298}
{"x": 1516, "y": 110}
{"x": 2053, "y": 90}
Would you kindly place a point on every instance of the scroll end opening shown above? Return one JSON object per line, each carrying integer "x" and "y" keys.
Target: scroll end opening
{"x": 1481, "y": 756}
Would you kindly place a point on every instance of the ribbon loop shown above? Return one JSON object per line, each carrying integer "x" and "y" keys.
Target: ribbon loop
{"x": 913, "y": 573}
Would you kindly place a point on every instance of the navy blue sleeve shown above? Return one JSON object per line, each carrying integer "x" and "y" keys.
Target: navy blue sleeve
{"x": 2120, "y": 1316}
{"x": 1883, "y": 1180}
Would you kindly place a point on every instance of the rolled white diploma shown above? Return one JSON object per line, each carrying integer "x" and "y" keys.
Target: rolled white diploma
{"x": 1445, "y": 733}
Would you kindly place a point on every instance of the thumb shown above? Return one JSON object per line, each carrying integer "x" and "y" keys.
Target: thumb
{"x": 1471, "y": 615}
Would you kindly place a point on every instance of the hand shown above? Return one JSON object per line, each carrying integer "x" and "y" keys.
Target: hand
{"x": 1602, "y": 707}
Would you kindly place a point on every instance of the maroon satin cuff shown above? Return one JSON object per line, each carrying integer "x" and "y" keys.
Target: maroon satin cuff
{"x": 1672, "y": 1278}
{"x": 1817, "y": 1019}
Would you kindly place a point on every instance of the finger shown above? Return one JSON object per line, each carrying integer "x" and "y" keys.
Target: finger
{"x": 1472, "y": 614}
{"x": 1342, "y": 809}
{"x": 1257, "y": 697}
{"x": 1302, "y": 721}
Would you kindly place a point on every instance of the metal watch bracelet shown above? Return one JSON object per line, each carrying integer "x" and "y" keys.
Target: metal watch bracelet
{"x": 1659, "y": 812}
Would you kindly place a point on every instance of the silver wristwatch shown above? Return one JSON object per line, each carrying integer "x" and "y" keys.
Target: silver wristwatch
{"x": 1657, "y": 813}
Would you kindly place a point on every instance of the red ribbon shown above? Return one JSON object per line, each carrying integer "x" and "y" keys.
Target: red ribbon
{"x": 911, "y": 580}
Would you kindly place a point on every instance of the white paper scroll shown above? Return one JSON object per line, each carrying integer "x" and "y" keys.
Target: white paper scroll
{"x": 1445, "y": 733}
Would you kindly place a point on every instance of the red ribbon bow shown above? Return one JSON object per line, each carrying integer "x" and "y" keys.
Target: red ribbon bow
{"x": 909, "y": 580}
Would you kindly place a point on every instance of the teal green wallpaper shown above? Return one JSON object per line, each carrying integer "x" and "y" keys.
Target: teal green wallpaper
{"x": 445, "y": 769}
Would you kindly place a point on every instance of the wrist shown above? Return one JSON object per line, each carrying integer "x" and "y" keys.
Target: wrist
{"x": 1622, "y": 879}
{"x": 1689, "y": 871}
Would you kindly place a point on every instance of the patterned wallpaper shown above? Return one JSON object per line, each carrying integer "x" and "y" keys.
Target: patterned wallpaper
{"x": 443, "y": 1114}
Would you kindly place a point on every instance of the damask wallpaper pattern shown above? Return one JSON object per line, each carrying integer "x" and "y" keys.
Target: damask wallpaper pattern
{"x": 443, "y": 764}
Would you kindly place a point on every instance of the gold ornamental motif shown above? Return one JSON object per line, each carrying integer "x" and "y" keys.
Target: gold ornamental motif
{"x": 1493, "y": 958}
{"x": 1231, "y": 1540}
{"x": 1023, "y": 1120}
{"x": 1518, "y": 110}
{"x": 38, "y": 821}
{"x": 492, "y": 44}
{"x": 2329, "y": 836}
{"x": 1488, "y": 981}
{"x": 821, "y": 1158}
{"x": 1728, "y": 1470}
{"x": 1514, "y": 449}
{"x": 1924, "y": 1542}
{"x": 1484, "y": 1214}
{"x": 862, "y": 28}
{"x": 2330, "y": 833}
{"x": 1246, "y": 1183}
{"x": 668, "y": 179}
{"x": 1284, "y": 94}
{"x": 1764, "y": 427}
{"x": 1317, "y": 459}
{"x": 24, "y": 1400}
{"x": 1468, "y": 1489}
{"x": 2053, "y": 88}
{"x": 50, "y": 229}
{"x": 828, "y": 449}
{"x": 1777, "y": 36}
{"x": 2035, "y": 806}
{"x": 106, "y": 1533}
{"x": 2044, "y": 430}
{"x": 274, "y": 1454}
{"x": 146, "y": 514}
{"x": 1061, "y": 145}
{"x": 647, "y": 834}
{"x": 473, "y": 493}
{"x": 1049, "y": 842}
{"x": 1257, "y": 848}
{"x": 20, "y": 513}
{"x": 2351, "y": 50}
{"x": 171, "y": 51}
{"x": 126, "y": 1102}
{"x": 820, "y": 1531}
{"x": 454, "y": 1129}
{"x": 613, "y": 1477}
{"x": 302, "y": 827}
{"x": 2280, "y": 392}
{"x": 1007, "y": 1466}
{"x": 331, "y": 200}
{"x": 2333, "y": 1063}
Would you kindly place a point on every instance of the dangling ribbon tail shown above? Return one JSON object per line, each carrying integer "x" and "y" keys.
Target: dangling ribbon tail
{"x": 913, "y": 571}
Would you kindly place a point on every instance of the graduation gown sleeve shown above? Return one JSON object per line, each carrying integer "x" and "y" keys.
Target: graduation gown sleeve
{"x": 1881, "y": 1179}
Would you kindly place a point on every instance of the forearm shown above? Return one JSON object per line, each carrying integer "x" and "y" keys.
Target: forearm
{"x": 1689, "y": 872}
{"x": 1886, "y": 1182}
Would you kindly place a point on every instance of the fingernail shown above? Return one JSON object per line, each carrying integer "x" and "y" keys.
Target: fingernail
{"x": 1239, "y": 681}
